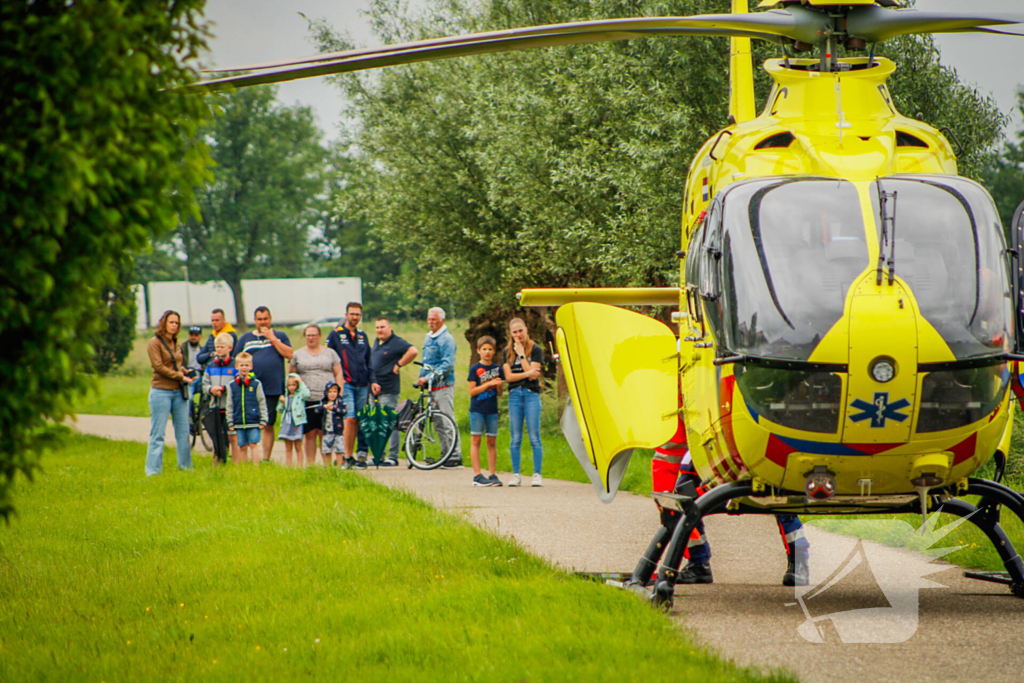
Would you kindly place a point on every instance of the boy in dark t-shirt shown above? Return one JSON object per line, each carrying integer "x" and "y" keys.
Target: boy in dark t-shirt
{"x": 485, "y": 380}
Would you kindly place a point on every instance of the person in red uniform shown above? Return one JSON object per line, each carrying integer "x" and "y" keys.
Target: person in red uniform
{"x": 671, "y": 470}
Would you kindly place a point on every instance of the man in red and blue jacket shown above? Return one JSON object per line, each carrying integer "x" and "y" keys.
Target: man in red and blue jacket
{"x": 353, "y": 348}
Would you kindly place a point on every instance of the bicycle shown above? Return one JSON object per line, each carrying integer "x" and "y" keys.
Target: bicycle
{"x": 196, "y": 409}
{"x": 424, "y": 447}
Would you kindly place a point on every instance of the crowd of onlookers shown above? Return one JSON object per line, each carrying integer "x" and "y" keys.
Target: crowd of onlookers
{"x": 246, "y": 386}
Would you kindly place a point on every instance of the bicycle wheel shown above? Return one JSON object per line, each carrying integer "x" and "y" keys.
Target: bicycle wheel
{"x": 423, "y": 445}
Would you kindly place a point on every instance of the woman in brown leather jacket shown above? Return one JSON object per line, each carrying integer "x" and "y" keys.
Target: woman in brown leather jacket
{"x": 166, "y": 397}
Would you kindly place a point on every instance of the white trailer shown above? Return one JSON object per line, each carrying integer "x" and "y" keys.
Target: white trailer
{"x": 291, "y": 301}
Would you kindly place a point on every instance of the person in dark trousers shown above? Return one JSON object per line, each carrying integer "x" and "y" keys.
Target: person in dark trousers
{"x": 269, "y": 350}
{"x": 190, "y": 351}
{"x": 353, "y": 347}
{"x": 217, "y": 379}
{"x": 672, "y": 470}
{"x": 390, "y": 354}
{"x": 220, "y": 325}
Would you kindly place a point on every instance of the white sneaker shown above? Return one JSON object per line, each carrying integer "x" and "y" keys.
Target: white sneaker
{"x": 537, "y": 479}
{"x": 516, "y": 480}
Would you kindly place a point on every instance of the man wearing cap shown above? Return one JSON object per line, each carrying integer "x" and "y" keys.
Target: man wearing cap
{"x": 190, "y": 355}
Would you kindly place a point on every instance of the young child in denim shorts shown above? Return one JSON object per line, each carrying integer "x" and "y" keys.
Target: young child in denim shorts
{"x": 334, "y": 427}
{"x": 485, "y": 380}
{"x": 246, "y": 409}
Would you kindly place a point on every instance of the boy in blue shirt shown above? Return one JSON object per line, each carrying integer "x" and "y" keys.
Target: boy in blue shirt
{"x": 485, "y": 380}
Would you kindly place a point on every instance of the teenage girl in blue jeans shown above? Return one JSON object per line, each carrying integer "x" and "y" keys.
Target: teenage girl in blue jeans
{"x": 523, "y": 360}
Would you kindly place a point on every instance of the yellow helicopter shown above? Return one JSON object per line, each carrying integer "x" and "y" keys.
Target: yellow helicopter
{"x": 849, "y": 312}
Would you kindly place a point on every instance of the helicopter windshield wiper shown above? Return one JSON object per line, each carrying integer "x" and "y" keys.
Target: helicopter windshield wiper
{"x": 888, "y": 233}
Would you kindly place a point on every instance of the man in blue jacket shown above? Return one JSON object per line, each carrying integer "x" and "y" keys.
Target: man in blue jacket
{"x": 353, "y": 347}
{"x": 439, "y": 353}
{"x": 219, "y": 324}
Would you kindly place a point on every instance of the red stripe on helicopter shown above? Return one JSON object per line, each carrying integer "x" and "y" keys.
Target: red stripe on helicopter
{"x": 727, "y": 391}
{"x": 778, "y": 450}
{"x": 965, "y": 449}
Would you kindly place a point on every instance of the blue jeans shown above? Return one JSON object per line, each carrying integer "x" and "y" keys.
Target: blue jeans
{"x": 354, "y": 398}
{"x": 480, "y": 423}
{"x": 524, "y": 404}
{"x": 164, "y": 403}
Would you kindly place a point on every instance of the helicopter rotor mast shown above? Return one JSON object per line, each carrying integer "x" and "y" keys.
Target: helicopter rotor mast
{"x": 741, "y": 73}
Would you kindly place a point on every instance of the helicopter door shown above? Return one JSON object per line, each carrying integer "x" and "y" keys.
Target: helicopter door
{"x": 622, "y": 372}
{"x": 1017, "y": 275}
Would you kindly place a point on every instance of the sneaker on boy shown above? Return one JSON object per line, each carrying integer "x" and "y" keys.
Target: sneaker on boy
{"x": 494, "y": 480}
{"x": 481, "y": 480}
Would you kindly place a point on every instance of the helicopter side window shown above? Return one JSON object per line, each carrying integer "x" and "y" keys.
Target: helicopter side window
{"x": 693, "y": 263}
{"x": 949, "y": 250}
{"x": 791, "y": 249}
{"x": 710, "y": 268}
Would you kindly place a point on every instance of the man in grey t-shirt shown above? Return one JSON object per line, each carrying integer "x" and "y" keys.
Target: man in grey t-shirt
{"x": 390, "y": 353}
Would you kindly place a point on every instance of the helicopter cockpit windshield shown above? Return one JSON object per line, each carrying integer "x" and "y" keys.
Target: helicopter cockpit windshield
{"x": 949, "y": 249}
{"x": 790, "y": 250}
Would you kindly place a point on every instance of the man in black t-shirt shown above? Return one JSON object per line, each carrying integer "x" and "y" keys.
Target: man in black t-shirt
{"x": 390, "y": 352}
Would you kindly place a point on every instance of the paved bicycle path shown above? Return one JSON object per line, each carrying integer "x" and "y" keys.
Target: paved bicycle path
{"x": 968, "y": 631}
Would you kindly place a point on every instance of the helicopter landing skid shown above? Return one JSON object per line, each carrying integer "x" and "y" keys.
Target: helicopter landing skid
{"x": 671, "y": 538}
{"x": 617, "y": 579}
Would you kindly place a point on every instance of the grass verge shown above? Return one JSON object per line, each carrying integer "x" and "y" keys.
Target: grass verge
{"x": 255, "y": 574}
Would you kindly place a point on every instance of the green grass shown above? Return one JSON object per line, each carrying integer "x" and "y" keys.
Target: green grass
{"x": 126, "y": 392}
{"x": 244, "y": 573}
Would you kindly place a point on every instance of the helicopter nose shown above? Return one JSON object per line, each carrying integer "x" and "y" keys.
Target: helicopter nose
{"x": 881, "y": 391}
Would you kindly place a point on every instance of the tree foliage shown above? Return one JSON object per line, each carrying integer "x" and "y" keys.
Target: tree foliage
{"x": 1004, "y": 173}
{"x": 115, "y": 343}
{"x": 93, "y": 159}
{"x": 348, "y": 248}
{"x": 563, "y": 166}
{"x": 267, "y": 193}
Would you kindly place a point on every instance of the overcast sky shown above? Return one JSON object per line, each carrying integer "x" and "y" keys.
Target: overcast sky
{"x": 253, "y": 31}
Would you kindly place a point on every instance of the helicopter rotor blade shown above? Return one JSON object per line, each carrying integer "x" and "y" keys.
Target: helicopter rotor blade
{"x": 771, "y": 26}
{"x": 796, "y": 23}
{"x": 875, "y": 24}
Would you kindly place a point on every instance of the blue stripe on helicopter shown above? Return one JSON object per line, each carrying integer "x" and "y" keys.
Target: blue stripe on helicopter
{"x": 818, "y": 447}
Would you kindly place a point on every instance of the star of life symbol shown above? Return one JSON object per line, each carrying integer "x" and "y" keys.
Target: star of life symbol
{"x": 879, "y": 410}
{"x": 880, "y": 583}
